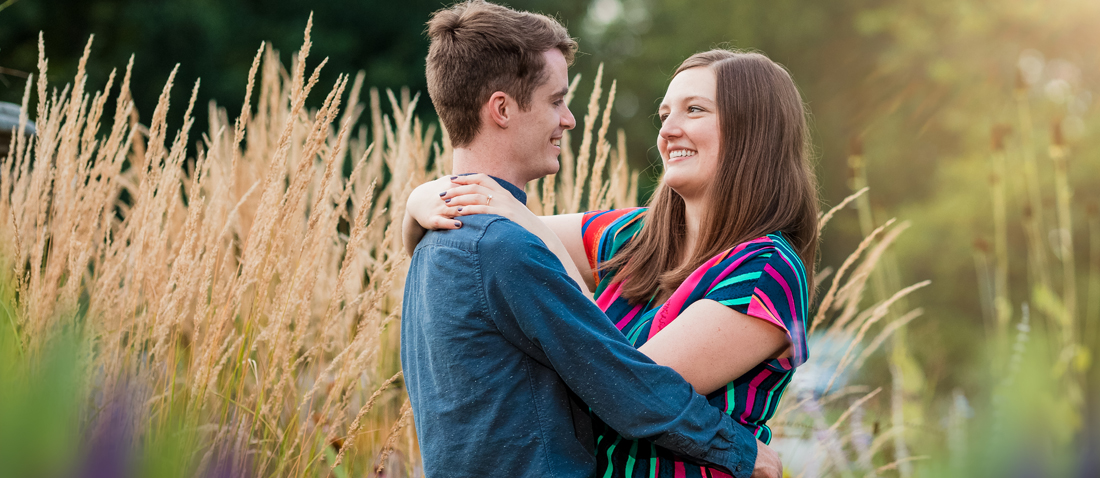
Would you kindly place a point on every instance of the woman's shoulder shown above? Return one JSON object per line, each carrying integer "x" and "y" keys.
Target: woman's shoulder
{"x": 610, "y": 229}
{"x": 770, "y": 245}
{"x": 770, "y": 255}
{"x": 601, "y": 219}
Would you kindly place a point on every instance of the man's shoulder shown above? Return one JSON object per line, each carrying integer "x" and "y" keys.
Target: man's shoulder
{"x": 504, "y": 238}
{"x": 484, "y": 234}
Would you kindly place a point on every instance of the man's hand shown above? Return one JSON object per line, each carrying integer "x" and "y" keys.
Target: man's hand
{"x": 767, "y": 462}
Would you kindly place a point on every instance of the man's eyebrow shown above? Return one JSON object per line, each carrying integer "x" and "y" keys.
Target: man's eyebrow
{"x": 563, "y": 92}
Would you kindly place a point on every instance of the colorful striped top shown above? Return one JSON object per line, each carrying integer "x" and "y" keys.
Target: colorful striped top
{"x": 762, "y": 278}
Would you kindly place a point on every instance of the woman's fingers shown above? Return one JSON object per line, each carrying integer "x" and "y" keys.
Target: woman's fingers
{"x": 480, "y": 194}
{"x": 476, "y": 209}
{"x": 481, "y": 179}
{"x": 474, "y": 199}
{"x": 441, "y": 222}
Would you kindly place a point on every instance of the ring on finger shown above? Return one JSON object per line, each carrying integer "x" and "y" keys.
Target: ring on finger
{"x": 488, "y": 199}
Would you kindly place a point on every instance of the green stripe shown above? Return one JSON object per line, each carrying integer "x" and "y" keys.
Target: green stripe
{"x": 736, "y": 279}
{"x": 652, "y": 461}
{"x": 773, "y": 401}
{"x": 731, "y": 400}
{"x": 738, "y": 301}
{"x": 611, "y": 464}
{"x": 632, "y": 337}
{"x": 630, "y": 458}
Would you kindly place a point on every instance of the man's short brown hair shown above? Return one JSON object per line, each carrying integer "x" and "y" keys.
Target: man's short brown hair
{"x": 478, "y": 48}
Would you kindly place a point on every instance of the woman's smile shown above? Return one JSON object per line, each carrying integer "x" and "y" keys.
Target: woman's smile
{"x": 689, "y": 137}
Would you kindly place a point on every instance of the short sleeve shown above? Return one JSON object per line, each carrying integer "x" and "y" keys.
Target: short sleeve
{"x": 767, "y": 282}
{"x": 605, "y": 232}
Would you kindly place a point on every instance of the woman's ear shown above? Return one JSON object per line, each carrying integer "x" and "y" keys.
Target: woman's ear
{"x": 500, "y": 109}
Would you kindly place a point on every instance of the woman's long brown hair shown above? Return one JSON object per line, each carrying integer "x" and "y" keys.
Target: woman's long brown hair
{"x": 764, "y": 182}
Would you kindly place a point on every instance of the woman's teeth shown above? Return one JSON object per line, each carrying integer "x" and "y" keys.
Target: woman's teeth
{"x": 680, "y": 153}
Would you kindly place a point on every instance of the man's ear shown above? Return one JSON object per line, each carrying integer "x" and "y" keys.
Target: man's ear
{"x": 500, "y": 109}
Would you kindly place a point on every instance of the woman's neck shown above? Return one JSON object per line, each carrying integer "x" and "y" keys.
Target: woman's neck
{"x": 693, "y": 218}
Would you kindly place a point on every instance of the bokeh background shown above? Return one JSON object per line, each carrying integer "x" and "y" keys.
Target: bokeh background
{"x": 915, "y": 98}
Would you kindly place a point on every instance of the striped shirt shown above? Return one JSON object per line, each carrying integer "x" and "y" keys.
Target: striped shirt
{"x": 762, "y": 278}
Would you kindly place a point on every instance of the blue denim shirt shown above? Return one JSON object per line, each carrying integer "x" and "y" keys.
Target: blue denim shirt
{"x": 498, "y": 344}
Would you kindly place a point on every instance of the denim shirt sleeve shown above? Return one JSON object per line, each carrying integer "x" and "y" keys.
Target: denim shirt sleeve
{"x": 533, "y": 301}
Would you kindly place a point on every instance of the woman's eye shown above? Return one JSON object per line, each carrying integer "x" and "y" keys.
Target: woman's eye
{"x": 694, "y": 109}
{"x": 663, "y": 117}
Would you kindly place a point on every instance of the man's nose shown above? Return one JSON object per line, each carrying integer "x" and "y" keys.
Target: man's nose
{"x": 567, "y": 119}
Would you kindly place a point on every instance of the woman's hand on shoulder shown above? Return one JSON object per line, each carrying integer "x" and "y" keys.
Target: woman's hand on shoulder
{"x": 480, "y": 194}
{"x": 427, "y": 207}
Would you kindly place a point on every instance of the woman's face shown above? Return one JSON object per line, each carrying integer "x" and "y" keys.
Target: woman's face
{"x": 689, "y": 136}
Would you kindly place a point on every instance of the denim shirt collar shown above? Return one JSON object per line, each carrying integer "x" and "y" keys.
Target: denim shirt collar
{"x": 512, "y": 188}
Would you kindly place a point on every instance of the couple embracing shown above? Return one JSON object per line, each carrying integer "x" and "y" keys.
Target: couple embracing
{"x": 672, "y": 366}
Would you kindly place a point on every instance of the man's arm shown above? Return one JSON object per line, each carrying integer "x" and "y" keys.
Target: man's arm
{"x": 526, "y": 284}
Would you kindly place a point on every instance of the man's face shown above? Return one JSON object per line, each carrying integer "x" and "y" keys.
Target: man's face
{"x": 538, "y": 131}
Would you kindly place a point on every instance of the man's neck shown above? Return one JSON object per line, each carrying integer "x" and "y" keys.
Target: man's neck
{"x": 483, "y": 157}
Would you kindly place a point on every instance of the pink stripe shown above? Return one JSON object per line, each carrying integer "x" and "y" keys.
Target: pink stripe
{"x": 675, "y": 304}
{"x": 729, "y": 270}
{"x": 629, "y": 316}
{"x": 609, "y": 295}
{"x": 786, "y": 288}
{"x": 678, "y": 470}
{"x": 718, "y": 473}
{"x": 766, "y": 310}
{"x": 797, "y": 351}
{"x": 799, "y": 323}
{"x": 794, "y": 270}
{"x": 752, "y": 394}
{"x": 759, "y": 240}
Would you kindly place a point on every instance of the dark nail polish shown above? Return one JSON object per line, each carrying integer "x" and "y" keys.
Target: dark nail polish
{"x": 447, "y": 200}
{"x": 454, "y": 178}
{"x": 460, "y": 208}
{"x": 458, "y": 224}
{"x": 444, "y": 193}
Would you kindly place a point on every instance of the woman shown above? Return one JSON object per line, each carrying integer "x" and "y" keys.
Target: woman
{"x": 720, "y": 263}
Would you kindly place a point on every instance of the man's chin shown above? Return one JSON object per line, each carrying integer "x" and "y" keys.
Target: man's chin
{"x": 552, "y": 168}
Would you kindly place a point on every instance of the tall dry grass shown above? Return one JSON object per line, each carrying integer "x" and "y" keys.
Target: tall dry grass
{"x": 242, "y": 295}
{"x": 250, "y": 284}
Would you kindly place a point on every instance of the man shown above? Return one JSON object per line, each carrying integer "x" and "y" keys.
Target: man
{"x": 498, "y": 343}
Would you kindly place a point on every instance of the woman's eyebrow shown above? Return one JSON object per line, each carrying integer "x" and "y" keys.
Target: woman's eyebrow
{"x": 686, "y": 99}
{"x": 697, "y": 98}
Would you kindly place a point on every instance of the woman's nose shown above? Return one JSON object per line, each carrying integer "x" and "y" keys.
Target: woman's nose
{"x": 670, "y": 128}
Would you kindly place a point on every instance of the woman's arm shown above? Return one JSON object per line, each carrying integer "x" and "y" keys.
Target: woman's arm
{"x": 567, "y": 227}
{"x": 471, "y": 193}
{"x": 711, "y": 344}
{"x": 436, "y": 205}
